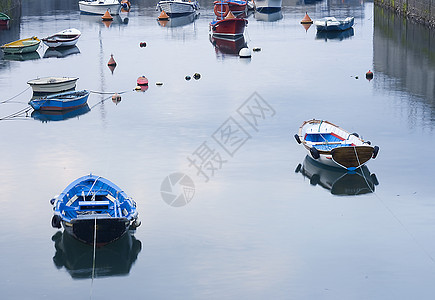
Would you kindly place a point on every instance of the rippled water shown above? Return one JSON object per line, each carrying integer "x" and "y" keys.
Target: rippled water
{"x": 262, "y": 226}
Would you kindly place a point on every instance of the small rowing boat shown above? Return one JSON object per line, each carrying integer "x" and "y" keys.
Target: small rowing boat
{"x": 65, "y": 38}
{"x": 22, "y": 46}
{"x": 63, "y": 101}
{"x": 52, "y": 84}
{"x": 333, "y": 24}
{"x": 331, "y": 145}
{"x": 94, "y": 210}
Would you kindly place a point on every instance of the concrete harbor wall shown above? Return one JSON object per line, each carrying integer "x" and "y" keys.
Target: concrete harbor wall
{"x": 421, "y": 11}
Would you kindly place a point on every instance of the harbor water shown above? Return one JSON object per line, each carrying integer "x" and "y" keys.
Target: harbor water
{"x": 257, "y": 219}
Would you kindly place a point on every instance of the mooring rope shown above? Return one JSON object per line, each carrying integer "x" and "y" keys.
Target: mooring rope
{"x": 4, "y": 101}
{"x": 17, "y": 114}
{"x": 93, "y": 257}
{"x": 392, "y": 213}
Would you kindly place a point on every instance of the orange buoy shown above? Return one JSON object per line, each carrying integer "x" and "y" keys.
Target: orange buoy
{"x": 112, "y": 62}
{"x": 125, "y": 5}
{"x": 107, "y": 16}
{"x": 163, "y": 16}
{"x": 369, "y": 75}
{"x": 306, "y": 19}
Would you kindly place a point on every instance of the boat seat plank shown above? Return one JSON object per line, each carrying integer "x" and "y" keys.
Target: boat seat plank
{"x": 94, "y": 203}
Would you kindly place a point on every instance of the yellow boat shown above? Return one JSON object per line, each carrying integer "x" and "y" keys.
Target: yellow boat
{"x": 22, "y": 46}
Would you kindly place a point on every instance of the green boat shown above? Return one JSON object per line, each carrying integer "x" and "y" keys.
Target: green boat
{"x": 4, "y": 19}
{"x": 22, "y": 46}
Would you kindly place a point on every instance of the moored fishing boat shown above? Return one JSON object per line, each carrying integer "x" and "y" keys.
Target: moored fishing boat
{"x": 52, "y": 84}
{"x": 226, "y": 24}
{"x": 94, "y": 210}
{"x": 268, "y": 6}
{"x": 63, "y": 101}
{"x": 235, "y": 6}
{"x": 334, "y": 146}
{"x": 178, "y": 7}
{"x": 99, "y": 7}
{"x": 22, "y": 46}
{"x": 4, "y": 20}
{"x": 333, "y": 24}
{"x": 64, "y": 38}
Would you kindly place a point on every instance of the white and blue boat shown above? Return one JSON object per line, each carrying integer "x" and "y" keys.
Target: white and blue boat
{"x": 62, "y": 101}
{"x": 94, "y": 210}
{"x": 333, "y": 146}
{"x": 333, "y": 24}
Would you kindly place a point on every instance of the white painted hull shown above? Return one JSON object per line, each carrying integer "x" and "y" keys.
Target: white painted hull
{"x": 268, "y": 4}
{"x": 177, "y": 7}
{"x": 52, "y": 84}
{"x": 100, "y": 7}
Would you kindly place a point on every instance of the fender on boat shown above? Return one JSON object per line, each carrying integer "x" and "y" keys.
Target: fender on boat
{"x": 55, "y": 222}
{"x": 297, "y": 138}
{"x": 314, "y": 153}
{"x": 375, "y": 151}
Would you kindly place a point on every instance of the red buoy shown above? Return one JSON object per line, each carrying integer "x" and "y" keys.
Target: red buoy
{"x": 369, "y": 75}
{"x": 142, "y": 81}
{"x": 163, "y": 16}
{"x": 107, "y": 16}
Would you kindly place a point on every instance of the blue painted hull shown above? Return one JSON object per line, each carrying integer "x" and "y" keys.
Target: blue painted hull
{"x": 53, "y": 116}
{"x": 92, "y": 208}
{"x": 60, "y": 102}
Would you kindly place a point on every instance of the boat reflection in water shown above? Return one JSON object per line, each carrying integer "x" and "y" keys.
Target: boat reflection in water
{"x": 114, "y": 259}
{"x": 119, "y": 20}
{"x": 53, "y": 116}
{"x": 334, "y": 35}
{"x": 227, "y": 45}
{"x": 339, "y": 181}
{"x": 61, "y": 52}
{"x": 179, "y": 20}
{"x": 22, "y": 56}
{"x": 268, "y": 17}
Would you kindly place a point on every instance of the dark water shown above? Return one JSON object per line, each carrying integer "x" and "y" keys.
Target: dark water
{"x": 256, "y": 229}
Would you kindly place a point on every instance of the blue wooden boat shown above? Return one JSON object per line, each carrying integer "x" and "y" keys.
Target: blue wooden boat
{"x": 333, "y": 24}
{"x": 55, "y": 115}
{"x": 62, "y": 101}
{"x": 94, "y": 210}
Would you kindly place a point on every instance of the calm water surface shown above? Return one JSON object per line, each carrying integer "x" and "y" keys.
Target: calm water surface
{"x": 256, "y": 229}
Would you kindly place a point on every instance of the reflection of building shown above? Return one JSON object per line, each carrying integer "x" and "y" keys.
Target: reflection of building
{"x": 404, "y": 52}
{"x": 338, "y": 181}
{"x": 114, "y": 259}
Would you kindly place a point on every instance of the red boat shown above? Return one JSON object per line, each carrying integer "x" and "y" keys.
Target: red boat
{"x": 228, "y": 27}
{"x": 236, "y": 6}
{"x": 226, "y": 23}
{"x": 226, "y": 45}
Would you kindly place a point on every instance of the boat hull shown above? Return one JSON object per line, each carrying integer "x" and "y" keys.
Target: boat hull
{"x": 96, "y": 8}
{"x": 53, "y": 84}
{"x": 59, "y": 102}
{"x": 331, "y": 24}
{"x": 22, "y": 46}
{"x": 268, "y": 6}
{"x": 107, "y": 229}
{"x": 333, "y": 146}
{"x": 228, "y": 27}
{"x": 177, "y": 8}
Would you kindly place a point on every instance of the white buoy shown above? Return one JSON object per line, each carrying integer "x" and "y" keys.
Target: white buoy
{"x": 245, "y": 53}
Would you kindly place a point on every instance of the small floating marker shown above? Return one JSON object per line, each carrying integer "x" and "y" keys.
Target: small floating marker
{"x": 187, "y": 77}
{"x": 137, "y": 88}
{"x": 126, "y": 5}
{"x": 116, "y": 98}
{"x": 107, "y": 16}
{"x": 306, "y": 19}
{"x": 141, "y": 81}
{"x": 159, "y": 83}
{"x": 142, "y": 44}
{"x": 245, "y": 53}
{"x": 112, "y": 62}
{"x": 356, "y": 77}
{"x": 369, "y": 75}
{"x": 163, "y": 16}
{"x": 197, "y": 76}
{"x": 256, "y": 49}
